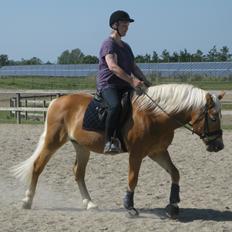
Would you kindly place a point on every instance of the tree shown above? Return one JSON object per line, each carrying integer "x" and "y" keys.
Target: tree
{"x": 185, "y": 56}
{"x": 175, "y": 57}
{"x": 90, "y": 60}
{"x": 155, "y": 57}
{"x": 139, "y": 59}
{"x": 224, "y": 55}
{"x": 35, "y": 61}
{"x": 64, "y": 58}
{"x": 4, "y": 60}
{"x": 73, "y": 57}
{"x": 198, "y": 56}
{"x": 147, "y": 58}
{"x": 165, "y": 56}
{"x": 212, "y": 54}
{"x": 32, "y": 61}
{"x": 76, "y": 56}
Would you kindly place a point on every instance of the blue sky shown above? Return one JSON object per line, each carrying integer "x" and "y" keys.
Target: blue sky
{"x": 45, "y": 28}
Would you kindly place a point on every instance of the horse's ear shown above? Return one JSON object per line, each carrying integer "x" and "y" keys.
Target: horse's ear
{"x": 209, "y": 99}
{"x": 221, "y": 95}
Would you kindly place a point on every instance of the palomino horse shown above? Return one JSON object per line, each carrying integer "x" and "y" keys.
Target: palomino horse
{"x": 148, "y": 131}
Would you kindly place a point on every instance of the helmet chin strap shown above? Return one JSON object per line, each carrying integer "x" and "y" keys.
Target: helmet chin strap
{"x": 116, "y": 29}
{"x": 119, "y": 32}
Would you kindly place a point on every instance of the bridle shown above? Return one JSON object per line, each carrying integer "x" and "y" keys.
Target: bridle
{"x": 206, "y": 135}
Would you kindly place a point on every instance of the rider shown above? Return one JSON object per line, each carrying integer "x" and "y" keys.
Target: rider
{"x": 116, "y": 75}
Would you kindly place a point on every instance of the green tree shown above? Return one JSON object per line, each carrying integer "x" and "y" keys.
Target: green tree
{"x": 76, "y": 56}
{"x": 197, "y": 56}
{"x": 32, "y": 61}
{"x": 165, "y": 56}
{"x": 174, "y": 57}
{"x": 147, "y": 58}
{"x": 155, "y": 57}
{"x": 185, "y": 56}
{"x": 64, "y": 58}
{"x": 224, "y": 55}
{"x": 90, "y": 59}
{"x": 212, "y": 54}
{"x": 4, "y": 60}
{"x": 139, "y": 59}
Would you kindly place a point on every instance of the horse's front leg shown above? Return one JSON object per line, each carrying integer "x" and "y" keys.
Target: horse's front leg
{"x": 134, "y": 167}
{"x": 164, "y": 160}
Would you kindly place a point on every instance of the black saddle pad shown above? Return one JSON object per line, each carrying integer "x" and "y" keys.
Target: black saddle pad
{"x": 93, "y": 120}
{"x": 95, "y": 114}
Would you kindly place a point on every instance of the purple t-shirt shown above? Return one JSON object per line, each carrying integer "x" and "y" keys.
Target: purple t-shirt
{"x": 125, "y": 59}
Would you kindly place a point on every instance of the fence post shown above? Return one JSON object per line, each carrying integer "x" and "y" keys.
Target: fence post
{"x": 14, "y": 105}
{"x": 26, "y": 114}
{"x": 18, "y": 104}
{"x": 44, "y": 113}
{"x": 11, "y": 105}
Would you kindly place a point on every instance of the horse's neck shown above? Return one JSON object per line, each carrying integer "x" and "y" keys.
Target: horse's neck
{"x": 179, "y": 119}
{"x": 170, "y": 120}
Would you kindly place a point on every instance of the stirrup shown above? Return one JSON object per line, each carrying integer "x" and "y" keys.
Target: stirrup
{"x": 113, "y": 147}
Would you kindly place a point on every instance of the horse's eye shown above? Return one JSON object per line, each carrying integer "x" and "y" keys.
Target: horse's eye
{"x": 213, "y": 118}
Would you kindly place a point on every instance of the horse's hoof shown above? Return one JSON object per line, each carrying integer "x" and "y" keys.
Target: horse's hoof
{"x": 26, "y": 205}
{"x": 91, "y": 205}
{"x": 172, "y": 211}
{"x": 132, "y": 213}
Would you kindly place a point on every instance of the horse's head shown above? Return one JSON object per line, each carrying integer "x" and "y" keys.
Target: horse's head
{"x": 207, "y": 123}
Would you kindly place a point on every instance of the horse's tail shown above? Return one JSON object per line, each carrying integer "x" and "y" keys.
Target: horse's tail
{"x": 24, "y": 170}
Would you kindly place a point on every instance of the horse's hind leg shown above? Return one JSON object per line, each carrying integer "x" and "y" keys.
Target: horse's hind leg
{"x": 30, "y": 169}
{"x": 82, "y": 158}
{"x": 164, "y": 160}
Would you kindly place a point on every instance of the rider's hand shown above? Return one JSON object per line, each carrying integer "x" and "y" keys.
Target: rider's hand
{"x": 136, "y": 83}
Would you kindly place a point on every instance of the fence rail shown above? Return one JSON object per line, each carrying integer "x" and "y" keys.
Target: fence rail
{"x": 29, "y": 109}
{"x": 22, "y": 104}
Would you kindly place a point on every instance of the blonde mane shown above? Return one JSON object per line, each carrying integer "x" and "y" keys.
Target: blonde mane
{"x": 173, "y": 98}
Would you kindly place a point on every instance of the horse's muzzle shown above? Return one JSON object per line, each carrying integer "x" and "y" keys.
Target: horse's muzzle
{"x": 215, "y": 146}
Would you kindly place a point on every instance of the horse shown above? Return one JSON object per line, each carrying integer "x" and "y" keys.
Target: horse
{"x": 147, "y": 131}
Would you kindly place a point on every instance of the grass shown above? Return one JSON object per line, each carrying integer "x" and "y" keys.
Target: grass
{"x": 226, "y": 106}
{"x": 76, "y": 83}
{"x": 48, "y": 83}
{"x": 7, "y": 118}
{"x": 227, "y": 127}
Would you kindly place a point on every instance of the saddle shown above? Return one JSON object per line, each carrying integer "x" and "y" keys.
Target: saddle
{"x": 96, "y": 112}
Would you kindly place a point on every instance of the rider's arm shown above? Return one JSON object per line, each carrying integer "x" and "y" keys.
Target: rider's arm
{"x": 111, "y": 60}
{"x": 137, "y": 72}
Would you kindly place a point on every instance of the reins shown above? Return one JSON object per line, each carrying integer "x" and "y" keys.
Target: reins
{"x": 170, "y": 116}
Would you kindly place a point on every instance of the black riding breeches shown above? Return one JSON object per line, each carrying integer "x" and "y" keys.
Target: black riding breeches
{"x": 112, "y": 97}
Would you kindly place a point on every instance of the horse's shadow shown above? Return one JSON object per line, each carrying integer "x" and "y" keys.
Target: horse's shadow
{"x": 186, "y": 214}
{"x": 191, "y": 214}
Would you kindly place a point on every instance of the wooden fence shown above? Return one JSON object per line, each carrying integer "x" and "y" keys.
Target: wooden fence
{"x": 29, "y": 106}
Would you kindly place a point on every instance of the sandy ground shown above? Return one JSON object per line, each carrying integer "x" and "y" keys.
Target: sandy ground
{"x": 206, "y": 187}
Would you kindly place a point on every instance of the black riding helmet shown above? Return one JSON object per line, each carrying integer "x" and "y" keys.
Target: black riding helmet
{"x": 119, "y": 15}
